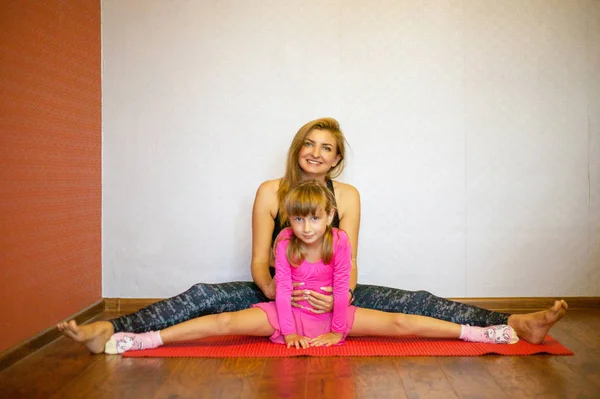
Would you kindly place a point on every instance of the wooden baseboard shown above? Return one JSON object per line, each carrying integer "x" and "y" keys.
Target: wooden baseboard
{"x": 509, "y": 305}
{"x": 128, "y": 305}
{"x": 16, "y": 353}
{"x": 530, "y": 304}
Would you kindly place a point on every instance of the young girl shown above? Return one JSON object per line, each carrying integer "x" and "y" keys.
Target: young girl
{"x": 310, "y": 250}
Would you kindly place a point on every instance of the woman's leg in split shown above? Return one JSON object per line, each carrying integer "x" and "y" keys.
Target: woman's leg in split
{"x": 251, "y": 321}
{"x": 531, "y": 327}
{"x": 201, "y": 299}
{"x": 424, "y": 303}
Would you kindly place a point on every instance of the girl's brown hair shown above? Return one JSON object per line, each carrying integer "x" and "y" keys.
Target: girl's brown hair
{"x": 310, "y": 197}
{"x": 293, "y": 173}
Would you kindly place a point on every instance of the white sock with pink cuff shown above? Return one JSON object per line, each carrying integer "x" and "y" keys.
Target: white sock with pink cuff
{"x": 123, "y": 342}
{"x": 501, "y": 334}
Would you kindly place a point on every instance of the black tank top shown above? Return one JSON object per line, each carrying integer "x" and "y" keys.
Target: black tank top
{"x": 278, "y": 227}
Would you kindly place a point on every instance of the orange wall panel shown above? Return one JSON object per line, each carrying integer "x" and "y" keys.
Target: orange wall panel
{"x": 50, "y": 163}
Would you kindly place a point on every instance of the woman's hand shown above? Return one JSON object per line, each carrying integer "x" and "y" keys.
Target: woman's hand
{"x": 296, "y": 341}
{"x": 331, "y": 338}
{"x": 321, "y": 303}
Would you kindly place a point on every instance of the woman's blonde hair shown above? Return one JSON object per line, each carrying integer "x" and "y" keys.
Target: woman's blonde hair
{"x": 293, "y": 172}
{"x": 308, "y": 198}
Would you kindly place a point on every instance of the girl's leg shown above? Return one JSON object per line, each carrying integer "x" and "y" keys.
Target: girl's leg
{"x": 251, "y": 321}
{"x": 200, "y": 299}
{"x": 376, "y": 323}
{"x": 531, "y": 327}
{"x": 373, "y": 322}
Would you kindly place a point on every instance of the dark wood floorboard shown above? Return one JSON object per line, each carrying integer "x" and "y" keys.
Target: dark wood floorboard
{"x": 424, "y": 378}
{"x": 64, "y": 369}
{"x": 468, "y": 377}
{"x": 329, "y": 377}
{"x": 377, "y": 377}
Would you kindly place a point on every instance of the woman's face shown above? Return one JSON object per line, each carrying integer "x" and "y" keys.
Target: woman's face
{"x": 318, "y": 154}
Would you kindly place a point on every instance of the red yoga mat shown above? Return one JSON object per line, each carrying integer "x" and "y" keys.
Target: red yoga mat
{"x": 242, "y": 346}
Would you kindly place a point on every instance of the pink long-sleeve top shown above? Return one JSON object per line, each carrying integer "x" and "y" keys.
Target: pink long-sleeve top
{"x": 314, "y": 276}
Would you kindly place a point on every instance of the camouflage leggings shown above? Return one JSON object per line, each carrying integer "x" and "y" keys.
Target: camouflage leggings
{"x": 202, "y": 299}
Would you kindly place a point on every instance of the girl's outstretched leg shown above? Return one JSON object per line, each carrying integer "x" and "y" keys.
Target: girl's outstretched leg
{"x": 251, "y": 321}
{"x": 502, "y": 334}
{"x": 124, "y": 342}
{"x": 376, "y": 323}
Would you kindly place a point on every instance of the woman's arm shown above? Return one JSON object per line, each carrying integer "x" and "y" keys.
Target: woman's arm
{"x": 348, "y": 201}
{"x": 263, "y": 215}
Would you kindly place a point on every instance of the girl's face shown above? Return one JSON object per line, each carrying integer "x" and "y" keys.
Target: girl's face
{"x": 311, "y": 228}
{"x": 318, "y": 154}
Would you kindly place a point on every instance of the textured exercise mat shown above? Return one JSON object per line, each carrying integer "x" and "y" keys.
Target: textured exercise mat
{"x": 242, "y": 346}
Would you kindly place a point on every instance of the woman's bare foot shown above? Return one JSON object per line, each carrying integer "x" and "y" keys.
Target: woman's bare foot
{"x": 94, "y": 335}
{"x": 533, "y": 327}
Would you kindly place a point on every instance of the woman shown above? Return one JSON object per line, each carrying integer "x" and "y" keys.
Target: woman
{"x": 317, "y": 152}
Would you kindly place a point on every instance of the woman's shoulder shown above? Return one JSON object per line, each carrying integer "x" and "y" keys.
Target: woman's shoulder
{"x": 347, "y": 199}
{"x": 344, "y": 190}
{"x": 266, "y": 197}
{"x": 269, "y": 186}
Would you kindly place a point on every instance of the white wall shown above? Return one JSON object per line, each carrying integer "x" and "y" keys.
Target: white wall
{"x": 474, "y": 130}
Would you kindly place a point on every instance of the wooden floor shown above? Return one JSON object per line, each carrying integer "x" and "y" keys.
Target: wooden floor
{"x": 64, "y": 369}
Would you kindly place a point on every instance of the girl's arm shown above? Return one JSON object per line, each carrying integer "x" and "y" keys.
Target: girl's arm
{"x": 342, "y": 266}
{"x": 283, "y": 297}
{"x": 265, "y": 203}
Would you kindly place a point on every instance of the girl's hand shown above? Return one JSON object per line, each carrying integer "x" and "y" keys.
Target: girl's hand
{"x": 269, "y": 289}
{"x": 331, "y": 338}
{"x": 296, "y": 341}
